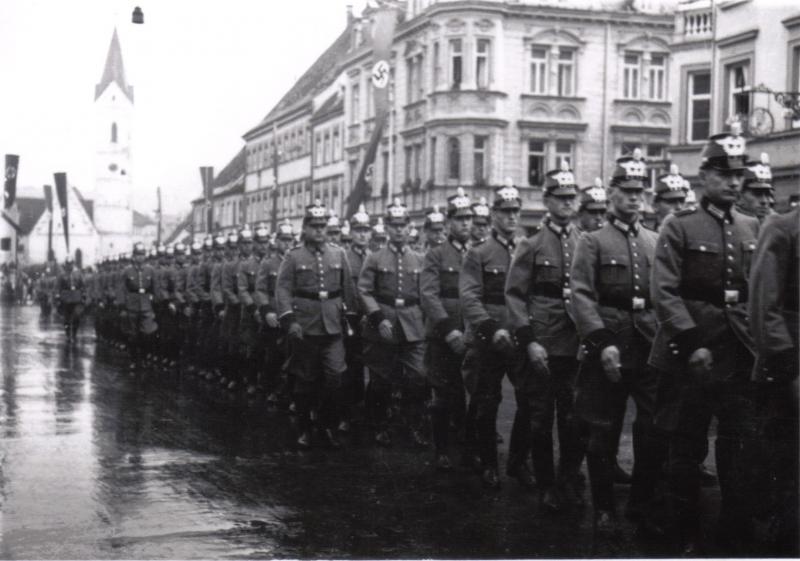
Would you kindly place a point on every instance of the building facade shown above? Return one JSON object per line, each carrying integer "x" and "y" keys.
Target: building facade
{"x": 737, "y": 60}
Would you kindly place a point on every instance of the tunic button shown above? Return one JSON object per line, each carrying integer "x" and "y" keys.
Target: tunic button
{"x": 566, "y": 275}
{"x": 613, "y": 261}
{"x": 729, "y": 233}
{"x": 636, "y": 287}
{"x": 730, "y": 245}
{"x": 566, "y": 255}
{"x": 546, "y": 263}
{"x": 633, "y": 244}
{"x": 635, "y": 254}
{"x": 730, "y": 270}
{"x": 636, "y": 276}
{"x": 702, "y": 248}
{"x": 730, "y": 257}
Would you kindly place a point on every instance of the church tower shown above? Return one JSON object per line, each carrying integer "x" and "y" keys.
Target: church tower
{"x": 113, "y": 185}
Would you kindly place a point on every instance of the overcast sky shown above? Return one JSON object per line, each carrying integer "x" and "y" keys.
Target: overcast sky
{"x": 203, "y": 73}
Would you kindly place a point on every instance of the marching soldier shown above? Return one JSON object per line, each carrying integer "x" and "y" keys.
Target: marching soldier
{"x": 538, "y": 296}
{"x": 481, "y": 221}
{"x": 248, "y": 327}
{"x": 216, "y": 346}
{"x": 231, "y": 317}
{"x": 181, "y": 300}
{"x": 615, "y": 321}
{"x": 394, "y": 346}
{"x": 433, "y": 228}
{"x": 593, "y": 207}
{"x": 757, "y": 197}
{"x": 261, "y": 251}
{"x": 703, "y": 349}
{"x": 378, "y": 239}
{"x": 198, "y": 288}
{"x": 444, "y": 326}
{"x": 139, "y": 285}
{"x": 774, "y": 313}
{"x": 333, "y": 230}
{"x": 670, "y": 195}
{"x": 71, "y": 297}
{"x": 346, "y": 238}
{"x": 490, "y": 354}
{"x": 313, "y": 287}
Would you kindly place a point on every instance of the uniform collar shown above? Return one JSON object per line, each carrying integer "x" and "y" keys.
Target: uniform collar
{"x": 362, "y": 251}
{"x": 314, "y": 248}
{"x": 721, "y": 214}
{"x": 394, "y": 249}
{"x": 460, "y": 247}
{"x": 555, "y": 228}
{"x": 622, "y": 226}
{"x": 506, "y": 243}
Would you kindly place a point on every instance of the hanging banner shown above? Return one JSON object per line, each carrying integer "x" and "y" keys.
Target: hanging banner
{"x": 384, "y": 23}
{"x": 63, "y": 202}
{"x": 207, "y": 177}
{"x": 48, "y": 205}
{"x": 10, "y": 189}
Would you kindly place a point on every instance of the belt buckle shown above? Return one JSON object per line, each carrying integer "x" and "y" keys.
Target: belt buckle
{"x": 323, "y": 294}
{"x": 638, "y": 303}
{"x": 399, "y": 303}
{"x": 731, "y": 296}
{"x": 566, "y": 293}
{"x": 141, "y": 291}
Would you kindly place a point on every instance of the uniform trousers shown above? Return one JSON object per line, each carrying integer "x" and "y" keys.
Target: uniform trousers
{"x": 141, "y": 329}
{"x": 318, "y": 365}
{"x": 354, "y": 377}
{"x": 443, "y": 368}
{"x": 71, "y": 312}
{"x": 396, "y": 366}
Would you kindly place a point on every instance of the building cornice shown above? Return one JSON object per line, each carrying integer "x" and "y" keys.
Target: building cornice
{"x": 690, "y": 45}
{"x": 791, "y": 21}
{"x": 731, "y": 40}
{"x": 475, "y": 121}
{"x": 685, "y": 148}
{"x": 637, "y": 102}
{"x": 561, "y": 125}
{"x": 640, "y": 129}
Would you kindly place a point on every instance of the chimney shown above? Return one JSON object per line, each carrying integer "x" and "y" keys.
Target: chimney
{"x": 349, "y": 14}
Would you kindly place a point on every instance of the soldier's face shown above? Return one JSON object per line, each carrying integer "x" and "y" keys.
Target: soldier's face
{"x": 591, "y": 219}
{"x": 665, "y": 207}
{"x": 246, "y": 249}
{"x": 506, "y": 220}
{"x": 479, "y": 230}
{"x": 335, "y": 237}
{"x": 398, "y": 233}
{"x": 434, "y": 236}
{"x": 138, "y": 259}
{"x": 460, "y": 227}
{"x": 722, "y": 187}
{"x": 360, "y": 236}
{"x": 314, "y": 233}
{"x": 626, "y": 202}
{"x": 560, "y": 208}
{"x": 283, "y": 245}
{"x": 757, "y": 201}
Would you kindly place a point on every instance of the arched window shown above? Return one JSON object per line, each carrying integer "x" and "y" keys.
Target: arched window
{"x": 453, "y": 158}
{"x": 114, "y": 133}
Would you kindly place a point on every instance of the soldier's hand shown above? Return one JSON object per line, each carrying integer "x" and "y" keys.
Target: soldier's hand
{"x": 501, "y": 339}
{"x": 221, "y": 314}
{"x": 701, "y": 361}
{"x": 455, "y": 339}
{"x": 272, "y": 320}
{"x": 609, "y": 359}
{"x": 385, "y": 330}
{"x": 172, "y": 308}
{"x": 538, "y": 357}
{"x": 295, "y": 331}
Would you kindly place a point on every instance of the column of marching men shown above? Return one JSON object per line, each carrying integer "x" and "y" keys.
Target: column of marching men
{"x": 378, "y": 326}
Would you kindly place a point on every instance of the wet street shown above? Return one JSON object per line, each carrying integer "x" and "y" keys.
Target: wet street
{"x": 100, "y": 464}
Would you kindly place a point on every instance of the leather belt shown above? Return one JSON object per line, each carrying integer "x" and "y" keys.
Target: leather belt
{"x": 494, "y": 299}
{"x": 397, "y": 302}
{"x": 633, "y": 304}
{"x": 320, "y": 295}
{"x": 451, "y": 293}
{"x": 716, "y": 297}
{"x": 551, "y": 291}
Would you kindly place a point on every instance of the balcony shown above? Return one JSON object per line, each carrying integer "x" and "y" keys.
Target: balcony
{"x": 467, "y": 104}
{"x": 698, "y": 21}
{"x": 354, "y": 134}
{"x": 414, "y": 114}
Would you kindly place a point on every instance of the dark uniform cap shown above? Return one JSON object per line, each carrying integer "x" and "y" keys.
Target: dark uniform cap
{"x": 459, "y": 204}
{"x": 360, "y": 219}
{"x": 219, "y": 241}
{"x": 233, "y": 239}
{"x": 507, "y": 196}
{"x": 725, "y": 151}
{"x": 262, "y": 233}
{"x": 632, "y": 170}
{"x": 560, "y": 183}
{"x": 139, "y": 249}
{"x": 285, "y": 231}
{"x": 758, "y": 175}
{"x": 434, "y": 219}
{"x": 316, "y": 214}
{"x": 245, "y": 235}
{"x": 397, "y": 213}
{"x": 480, "y": 212}
{"x": 594, "y": 197}
{"x": 671, "y": 186}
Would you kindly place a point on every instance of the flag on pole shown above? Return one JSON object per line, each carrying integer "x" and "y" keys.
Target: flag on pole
{"x": 207, "y": 177}
{"x": 385, "y": 21}
{"x": 48, "y": 203}
{"x": 10, "y": 189}
{"x": 63, "y": 202}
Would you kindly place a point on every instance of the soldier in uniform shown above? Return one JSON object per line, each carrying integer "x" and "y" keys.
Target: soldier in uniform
{"x": 444, "y": 326}
{"x": 232, "y": 313}
{"x": 71, "y": 297}
{"x": 703, "y": 349}
{"x": 538, "y": 298}
{"x": 333, "y": 230}
{"x": 414, "y": 240}
{"x": 346, "y": 238}
{"x": 248, "y": 327}
{"x": 774, "y": 313}
{"x": 433, "y": 227}
{"x": 266, "y": 279}
{"x": 394, "y": 346}
{"x": 757, "y": 197}
{"x": 261, "y": 250}
{"x": 139, "y": 284}
{"x": 378, "y": 239}
{"x": 490, "y": 354}
{"x": 181, "y": 299}
{"x": 199, "y": 298}
{"x": 314, "y": 288}
{"x": 670, "y": 195}
{"x": 216, "y": 340}
{"x": 354, "y": 345}
{"x": 615, "y": 321}
{"x": 481, "y": 222}
{"x": 593, "y": 207}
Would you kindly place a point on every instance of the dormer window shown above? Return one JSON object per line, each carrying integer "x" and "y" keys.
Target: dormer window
{"x": 113, "y": 133}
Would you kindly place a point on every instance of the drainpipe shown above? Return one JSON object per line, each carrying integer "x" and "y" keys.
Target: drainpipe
{"x": 604, "y": 126}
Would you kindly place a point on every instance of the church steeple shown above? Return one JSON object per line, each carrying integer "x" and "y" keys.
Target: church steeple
{"x": 114, "y": 70}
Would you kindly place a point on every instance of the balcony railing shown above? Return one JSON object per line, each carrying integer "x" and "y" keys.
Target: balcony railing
{"x": 697, "y": 25}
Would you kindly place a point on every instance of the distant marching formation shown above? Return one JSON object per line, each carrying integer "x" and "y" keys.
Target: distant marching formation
{"x": 698, "y": 319}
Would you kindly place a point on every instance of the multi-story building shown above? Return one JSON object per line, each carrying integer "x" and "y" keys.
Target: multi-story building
{"x": 738, "y": 60}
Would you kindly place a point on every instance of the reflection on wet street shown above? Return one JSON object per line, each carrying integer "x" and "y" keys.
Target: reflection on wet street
{"x": 100, "y": 464}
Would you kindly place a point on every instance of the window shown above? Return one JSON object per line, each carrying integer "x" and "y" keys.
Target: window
{"x": 736, "y": 81}
{"x": 114, "y": 133}
{"x": 414, "y": 86}
{"x": 564, "y": 153}
{"x": 630, "y": 76}
{"x": 536, "y": 162}
{"x": 627, "y": 148}
{"x": 479, "y": 158}
{"x": 326, "y": 148}
{"x": 538, "y": 70}
{"x": 437, "y": 66}
{"x": 658, "y": 77}
{"x": 370, "y": 101}
{"x": 455, "y": 63}
{"x": 433, "y": 158}
{"x": 453, "y": 158}
{"x": 337, "y": 145}
{"x": 482, "y": 64}
{"x": 656, "y": 151}
{"x": 408, "y": 161}
{"x": 318, "y": 149}
{"x": 354, "y": 104}
{"x": 417, "y": 161}
{"x": 698, "y": 106}
{"x": 566, "y": 72}
{"x": 795, "y": 76}
{"x": 410, "y": 75}
{"x": 385, "y": 169}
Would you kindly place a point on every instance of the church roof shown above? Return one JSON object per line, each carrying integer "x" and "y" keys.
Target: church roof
{"x": 88, "y": 204}
{"x": 114, "y": 70}
{"x": 232, "y": 175}
{"x": 141, "y": 220}
{"x": 30, "y": 211}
